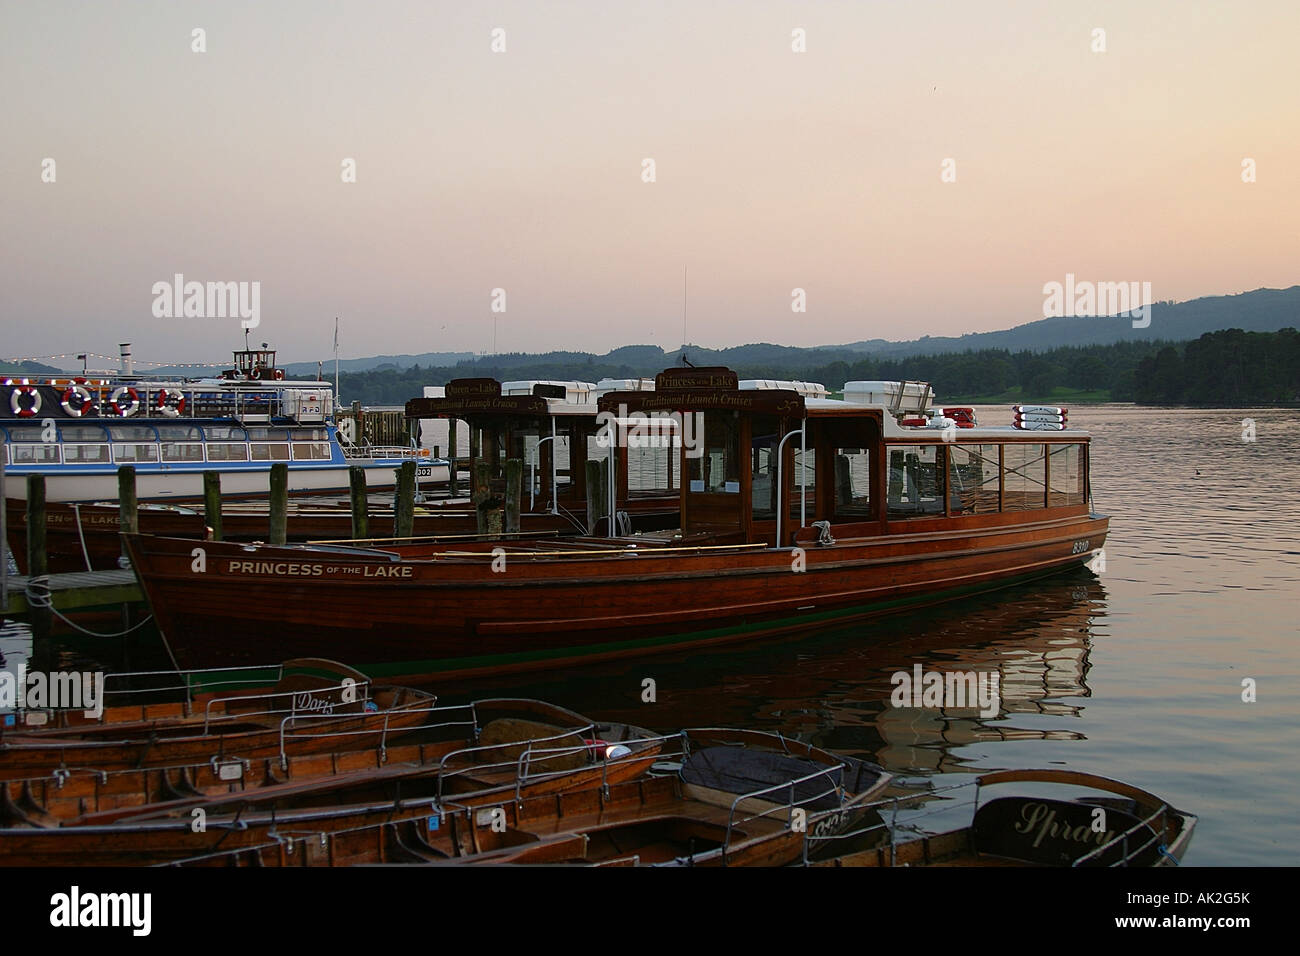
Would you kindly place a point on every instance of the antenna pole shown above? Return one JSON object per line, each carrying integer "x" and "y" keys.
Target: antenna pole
{"x": 683, "y": 310}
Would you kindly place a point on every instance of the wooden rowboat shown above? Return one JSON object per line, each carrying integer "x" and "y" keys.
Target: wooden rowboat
{"x": 1072, "y": 819}
{"x": 721, "y": 798}
{"x": 315, "y": 706}
{"x": 513, "y": 760}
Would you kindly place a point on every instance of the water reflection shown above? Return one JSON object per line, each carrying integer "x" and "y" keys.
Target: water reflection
{"x": 833, "y": 688}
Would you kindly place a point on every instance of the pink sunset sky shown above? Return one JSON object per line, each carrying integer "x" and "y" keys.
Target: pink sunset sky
{"x": 522, "y": 169}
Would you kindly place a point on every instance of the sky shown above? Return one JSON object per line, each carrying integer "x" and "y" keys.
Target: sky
{"x": 918, "y": 168}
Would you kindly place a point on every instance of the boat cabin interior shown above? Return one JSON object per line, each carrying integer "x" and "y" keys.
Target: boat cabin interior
{"x": 764, "y": 463}
{"x": 552, "y": 428}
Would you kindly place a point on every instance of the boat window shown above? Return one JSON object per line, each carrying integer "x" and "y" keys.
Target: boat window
{"x": 32, "y": 433}
{"x": 717, "y": 468}
{"x": 1024, "y": 483}
{"x": 135, "y": 452}
{"x": 220, "y": 451}
{"x": 255, "y": 434}
{"x": 84, "y": 454}
{"x": 1065, "y": 470}
{"x": 182, "y": 451}
{"x": 311, "y": 451}
{"x": 852, "y": 483}
{"x": 915, "y": 481}
{"x": 973, "y": 478}
{"x": 83, "y": 433}
{"x": 308, "y": 434}
{"x": 805, "y": 465}
{"x": 134, "y": 433}
{"x": 762, "y": 466}
{"x": 180, "y": 433}
{"x": 269, "y": 451}
{"x": 225, "y": 433}
{"x": 35, "y": 454}
{"x": 654, "y": 456}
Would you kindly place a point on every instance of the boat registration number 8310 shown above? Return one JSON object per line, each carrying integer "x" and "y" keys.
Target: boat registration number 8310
{"x": 1079, "y": 547}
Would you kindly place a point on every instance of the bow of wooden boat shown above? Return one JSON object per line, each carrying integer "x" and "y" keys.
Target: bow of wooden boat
{"x": 1059, "y": 818}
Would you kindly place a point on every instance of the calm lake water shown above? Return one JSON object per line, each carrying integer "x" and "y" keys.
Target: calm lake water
{"x": 1134, "y": 673}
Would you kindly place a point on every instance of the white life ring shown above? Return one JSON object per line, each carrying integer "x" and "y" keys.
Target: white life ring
{"x": 76, "y": 399}
{"x": 25, "y": 409}
{"x": 170, "y": 401}
{"x": 132, "y": 404}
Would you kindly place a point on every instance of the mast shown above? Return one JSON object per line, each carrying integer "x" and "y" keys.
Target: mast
{"x": 337, "y": 404}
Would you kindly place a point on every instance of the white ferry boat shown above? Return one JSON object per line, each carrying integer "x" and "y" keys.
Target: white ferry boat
{"x": 77, "y": 432}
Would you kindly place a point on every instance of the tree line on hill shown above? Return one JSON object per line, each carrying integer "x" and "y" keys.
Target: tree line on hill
{"x": 1229, "y": 367}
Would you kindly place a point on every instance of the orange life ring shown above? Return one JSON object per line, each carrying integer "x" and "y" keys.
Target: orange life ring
{"x": 279, "y": 374}
{"x": 132, "y": 404}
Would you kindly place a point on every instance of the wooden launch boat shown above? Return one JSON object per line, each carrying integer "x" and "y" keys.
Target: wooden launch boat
{"x": 460, "y": 748}
{"x": 513, "y": 760}
{"x": 720, "y": 797}
{"x": 315, "y": 706}
{"x": 1080, "y": 820}
{"x": 794, "y": 513}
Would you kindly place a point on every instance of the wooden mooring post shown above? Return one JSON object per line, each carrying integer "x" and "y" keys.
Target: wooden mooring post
{"x": 279, "y": 504}
{"x": 212, "y": 503}
{"x": 481, "y": 493}
{"x": 360, "y": 510}
{"x": 404, "y": 503}
{"x": 127, "y": 507}
{"x": 37, "y": 559}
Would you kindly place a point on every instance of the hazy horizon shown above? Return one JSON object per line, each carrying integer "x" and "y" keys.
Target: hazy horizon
{"x": 522, "y": 170}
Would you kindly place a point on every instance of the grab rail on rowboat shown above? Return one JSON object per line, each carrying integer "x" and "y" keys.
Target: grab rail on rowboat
{"x": 790, "y": 806}
{"x": 523, "y": 764}
{"x": 289, "y": 723}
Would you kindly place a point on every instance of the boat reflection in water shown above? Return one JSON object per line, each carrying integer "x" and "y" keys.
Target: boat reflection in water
{"x": 833, "y": 688}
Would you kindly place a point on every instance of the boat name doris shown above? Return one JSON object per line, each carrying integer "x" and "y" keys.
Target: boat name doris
{"x": 293, "y": 569}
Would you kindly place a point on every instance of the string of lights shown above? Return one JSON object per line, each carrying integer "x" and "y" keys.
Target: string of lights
{"x": 78, "y": 356}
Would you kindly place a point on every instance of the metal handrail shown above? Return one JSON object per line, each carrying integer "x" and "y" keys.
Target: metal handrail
{"x": 791, "y": 784}
{"x": 1126, "y": 856}
{"x": 293, "y": 707}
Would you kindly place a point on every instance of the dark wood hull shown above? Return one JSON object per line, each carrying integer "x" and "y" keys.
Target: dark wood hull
{"x": 432, "y": 612}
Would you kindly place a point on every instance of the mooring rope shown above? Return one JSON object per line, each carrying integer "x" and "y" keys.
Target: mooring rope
{"x": 38, "y": 594}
